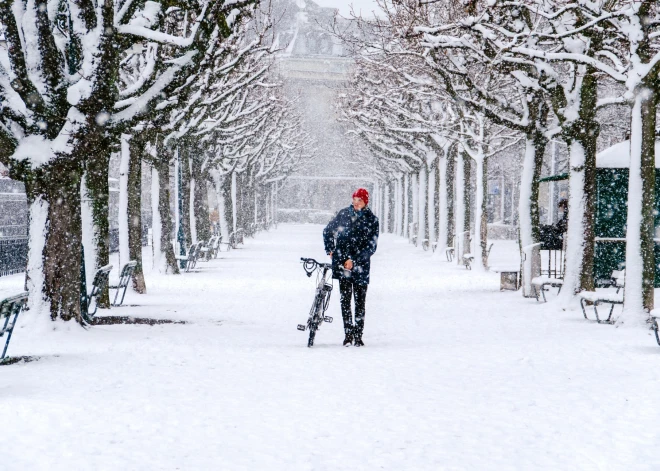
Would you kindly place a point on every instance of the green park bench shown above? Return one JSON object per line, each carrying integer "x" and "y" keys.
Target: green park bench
{"x": 611, "y": 297}
{"x": 191, "y": 257}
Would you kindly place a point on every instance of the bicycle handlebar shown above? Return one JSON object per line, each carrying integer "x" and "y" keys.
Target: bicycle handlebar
{"x": 309, "y": 265}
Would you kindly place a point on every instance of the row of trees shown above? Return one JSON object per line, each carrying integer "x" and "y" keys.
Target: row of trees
{"x": 444, "y": 86}
{"x": 183, "y": 85}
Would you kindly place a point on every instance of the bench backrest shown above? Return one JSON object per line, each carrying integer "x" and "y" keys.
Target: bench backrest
{"x": 127, "y": 273}
{"x": 619, "y": 277}
{"x": 10, "y": 306}
{"x": 98, "y": 286}
{"x": 193, "y": 252}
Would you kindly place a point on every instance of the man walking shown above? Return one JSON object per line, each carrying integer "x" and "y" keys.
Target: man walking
{"x": 351, "y": 239}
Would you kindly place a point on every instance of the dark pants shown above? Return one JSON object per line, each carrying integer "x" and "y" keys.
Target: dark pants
{"x": 359, "y": 292}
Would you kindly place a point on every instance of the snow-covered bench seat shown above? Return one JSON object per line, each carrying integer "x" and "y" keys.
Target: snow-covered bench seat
{"x": 612, "y": 296}
{"x": 10, "y": 307}
{"x": 540, "y": 282}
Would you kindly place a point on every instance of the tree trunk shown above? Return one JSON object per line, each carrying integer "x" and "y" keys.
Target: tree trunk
{"x": 529, "y": 205}
{"x": 406, "y": 205}
{"x": 414, "y": 187}
{"x": 481, "y": 216}
{"x": 431, "y": 211}
{"x": 421, "y": 205}
{"x": 386, "y": 200}
{"x": 443, "y": 206}
{"x": 135, "y": 213}
{"x": 98, "y": 192}
{"x": 436, "y": 199}
{"x": 167, "y": 250}
{"x": 186, "y": 218}
{"x": 467, "y": 188}
{"x": 640, "y": 247}
{"x": 223, "y": 191}
{"x": 449, "y": 181}
{"x": 199, "y": 201}
{"x": 234, "y": 202}
{"x": 53, "y": 274}
{"x": 580, "y": 234}
{"x": 123, "y": 220}
{"x": 461, "y": 203}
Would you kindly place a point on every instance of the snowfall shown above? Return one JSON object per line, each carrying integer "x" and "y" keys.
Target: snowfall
{"x": 455, "y": 375}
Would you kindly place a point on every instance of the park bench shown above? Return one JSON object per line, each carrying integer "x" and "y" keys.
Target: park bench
{"x": 10, "y": 308}
{"x": 604, "y": 296}
{"x": 552, "y": 274}
{"x": 509, "y": 277}
{"x": 413, "y": 233}
{"x": 449, "y": 253}
{"x": 468, "y": 258}
{"x": 240, "y": 236}
{"x": 540, "y": 284}
{"x": 124, "y": 278}
{"x": 231, "y": 241}
{"x": 655, "y": 314}
{"x": 191, "y": 257}
{"x": 98, "y": 286}
{"x": 209, "y": 249}
{"x": 214, "y": 246}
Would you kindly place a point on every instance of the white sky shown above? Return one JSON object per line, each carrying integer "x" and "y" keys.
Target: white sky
{"x": 367, "y": 6}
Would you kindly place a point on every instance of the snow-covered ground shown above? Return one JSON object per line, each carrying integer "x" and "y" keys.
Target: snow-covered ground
{"x": 455, "y": 375}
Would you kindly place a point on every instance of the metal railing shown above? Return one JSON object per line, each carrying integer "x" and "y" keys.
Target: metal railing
{"x": 13, "y": 255}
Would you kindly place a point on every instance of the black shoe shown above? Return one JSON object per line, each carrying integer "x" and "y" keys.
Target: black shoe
{"x": 358, "y": 342}
{"x": 348, "y": 340}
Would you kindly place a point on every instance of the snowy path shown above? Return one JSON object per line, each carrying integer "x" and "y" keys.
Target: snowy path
{"x": 455, "y": 376}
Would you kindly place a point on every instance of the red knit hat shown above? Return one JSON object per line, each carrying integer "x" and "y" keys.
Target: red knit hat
{"x": 363, "y": 194}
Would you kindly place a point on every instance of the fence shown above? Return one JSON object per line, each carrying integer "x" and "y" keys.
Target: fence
{"x": 14, "y": 251}
{"x": 13, "y": 255}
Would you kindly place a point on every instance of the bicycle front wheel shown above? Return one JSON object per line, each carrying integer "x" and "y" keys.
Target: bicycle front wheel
{"x": 315, "y": 319}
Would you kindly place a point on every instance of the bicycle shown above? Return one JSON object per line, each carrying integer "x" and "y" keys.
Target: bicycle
{"x": 321, "y": 299}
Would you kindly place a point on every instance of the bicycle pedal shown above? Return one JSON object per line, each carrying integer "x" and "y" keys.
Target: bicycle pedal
{"x": 301, "y": 327}
{"x": 327, "y": 319}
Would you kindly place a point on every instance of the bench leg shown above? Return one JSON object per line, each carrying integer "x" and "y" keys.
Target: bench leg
{"x": 114, "y": 302}
{"x": 9, "y": 332}
{"x": 655, "y": 329}
{"x": 611, "y": 311}
{"x": 584, "y": 311}
{"x": 543, "y": 290}
{"x": 596, "y": 311}
{"x": 123, "y": 295}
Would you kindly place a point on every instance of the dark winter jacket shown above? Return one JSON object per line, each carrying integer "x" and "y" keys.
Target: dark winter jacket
{"x": 352, "y": 236}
